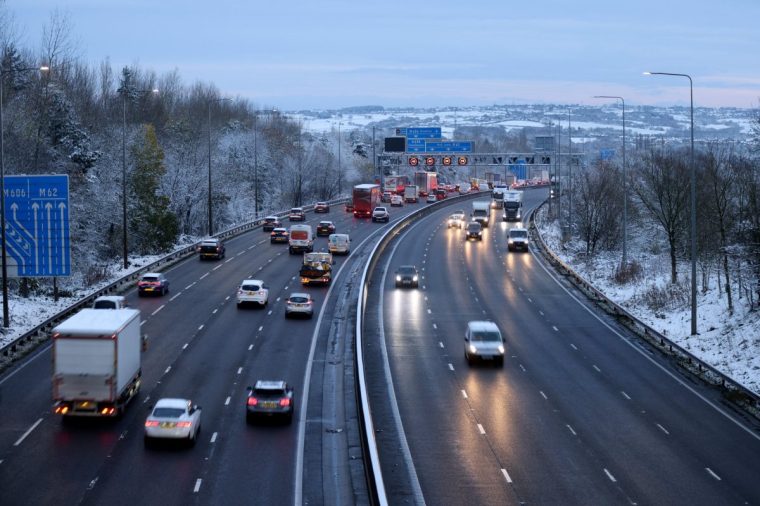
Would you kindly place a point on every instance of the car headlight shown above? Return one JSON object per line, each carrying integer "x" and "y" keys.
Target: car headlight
{"x": 501, "y": 349}
{"x": 398, "y": 278}
{"x": 414, "y": 278}
{"x": 473, "y": 349}
{"x": 510, "y": 240}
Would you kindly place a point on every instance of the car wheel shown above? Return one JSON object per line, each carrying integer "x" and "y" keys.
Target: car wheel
{"x": 147, "y": 442}
{"x": 500, "y": 362}
{"x": 287, "y": 314}
{"x": 289, "y": 418}
{"x": 248, "y": 418}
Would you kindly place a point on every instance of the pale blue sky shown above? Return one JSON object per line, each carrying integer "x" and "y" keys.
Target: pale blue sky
{"x": 336, "y": 53}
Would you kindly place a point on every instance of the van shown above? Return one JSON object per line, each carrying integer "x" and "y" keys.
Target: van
{"x": 301, "y": 239}
{"x": 483, "y": 340}
{"x": 110, "y": 302}
{"x": 339, "y": 243}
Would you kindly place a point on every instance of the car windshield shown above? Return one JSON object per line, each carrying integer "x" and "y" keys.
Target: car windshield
{"x": 486, "y": 336}
{"x": 298, "y": 300}
{"x": 519, "y": 234}
{"x": 407, "y": 270}
{"x": 473, "y": 227}
{"x": 270, "y": 219}
{"x": 150, "y": 279}
{"x": 325, "y": 223}
{"x": 251, "y": 287}
{"x": 168, "y": 412}
{"x": 208, "y": 247}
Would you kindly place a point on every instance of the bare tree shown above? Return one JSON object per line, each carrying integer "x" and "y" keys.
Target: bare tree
{"x": 598, "y": 206}
{"x": 661, "y": 185}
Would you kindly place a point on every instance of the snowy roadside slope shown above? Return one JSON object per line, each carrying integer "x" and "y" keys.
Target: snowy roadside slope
{"x": 729, "y": 343}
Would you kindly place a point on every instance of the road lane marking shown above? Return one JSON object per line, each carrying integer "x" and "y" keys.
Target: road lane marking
{"x": 213, "y": 437}
{"x": 435, "y": 326}
{"x": 429, "y": 311}
{"x": 543, "y": 395}
{"x": 625, "y": 395}
{"x": 481, "y": 429}
{"x": 269, "y": 313}
{"x": 168, "y": 369}
{"x": 571, "y": 430}
{"x": 609, "y": 475}
{"x": 250, "y": 347}
{"x": 523, "y": 368}
{"x": 464, "y": 394}
{"x": 451, "y": 367}
{"x": 573, "y": 347}
{"x": 663, "y": 429}
{"x": 540, "y": 312}
{"x": 555, "y": 328}
{"x": 506, "y": 475}
{"x": 190, "y": 285}
{"x": 240, "y": 370}
{"x": 530, "y": 300}
{"x": 157, "y": 310}
{"x": 175, "y": 296}
{"x": 184, "y": 346}
{"x": 204, "y": 276}
{"x": 713, "y": 474}
{"x": 440, "y": 343}
{"x": 200, "y": 328}
{"x": 34, "y": 426}
{"x": 596, "y": 368}
{"x": 261, "y": 328}
{"x": 197, "y": 486}
{"x": 227, "y": 401}
{"x": 214, "y": 311}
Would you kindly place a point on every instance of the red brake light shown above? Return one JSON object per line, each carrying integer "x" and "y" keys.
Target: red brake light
{"x": 285, "y": 402}
{"x": 252, "y": 401}
{"x": 183, "y": 425}
{"x": 151, "y": 423}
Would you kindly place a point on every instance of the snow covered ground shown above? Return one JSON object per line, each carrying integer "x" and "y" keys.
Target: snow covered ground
{"x": 729, "y": 343}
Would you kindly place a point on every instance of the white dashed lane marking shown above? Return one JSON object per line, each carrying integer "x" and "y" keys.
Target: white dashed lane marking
{"x": 29, "y": 431}
{"x": 609, "y": 475}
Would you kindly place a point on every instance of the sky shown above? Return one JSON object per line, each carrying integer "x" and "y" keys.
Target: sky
{"x": 327, "y": 54}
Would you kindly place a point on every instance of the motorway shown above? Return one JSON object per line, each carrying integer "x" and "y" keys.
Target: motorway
{"x": 203, "y": 348}
{"x": 581, "y": 413}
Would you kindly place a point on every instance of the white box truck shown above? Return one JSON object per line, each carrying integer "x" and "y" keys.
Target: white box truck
{"x": 410, "y": 194}
{"x": 481, "y": 212}
{"x": 96, "y": 362}
{"x": 301, "y": 239}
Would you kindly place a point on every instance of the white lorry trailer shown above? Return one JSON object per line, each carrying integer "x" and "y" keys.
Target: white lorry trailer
{"x": 96, "y": 362}
{"x": 513, "y": 201}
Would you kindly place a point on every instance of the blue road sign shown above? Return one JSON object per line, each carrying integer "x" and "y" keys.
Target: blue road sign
{"x": 519, "y": 169}
{"x": 37, "y": 226}
{"x": 420, "y": 133}
{"x": 606, "y": 154}
{"x": 415, "y": 145}
{"x": 449, "y": 147}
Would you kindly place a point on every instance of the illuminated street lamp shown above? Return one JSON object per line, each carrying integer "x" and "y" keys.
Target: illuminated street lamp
{"x": 693, "y": 202}
{"x": 625, "y": 185}
{"x": 6, "y": 316}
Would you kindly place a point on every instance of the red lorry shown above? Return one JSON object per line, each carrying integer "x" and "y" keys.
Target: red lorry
{"x": 366, "y": 197}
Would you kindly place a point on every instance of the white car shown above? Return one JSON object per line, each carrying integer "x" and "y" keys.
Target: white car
{"x": 381, "y": 214}
{"x": 110, "y": 302}
{"x": 176, "y": 419}
{"x": 253, "y": 291}
{"x": 299, "y": 304}
{"x": 456, "y": 220}
{"x": 397, "y": 201}
{"x": 431, "y": 198}
{"x": 339, "y": 244}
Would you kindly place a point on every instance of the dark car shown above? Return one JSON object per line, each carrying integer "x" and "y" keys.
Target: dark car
{"x": 321, "y": 207}
{"x": 270, "y": 399}
{"x": 386, "y": 197}
{"x": 474, "y": 231}
{"x": 325, "y": 228}
{"x": 270, "y": 223}
{"x": 279, "y": 235}
{"x": 211, "y": 248}
{"x": 152, "y": 283}
{"x": 407, "y": 275}
{"x": 349, "y": 207}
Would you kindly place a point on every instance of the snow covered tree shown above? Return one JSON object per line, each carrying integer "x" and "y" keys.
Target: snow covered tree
{"x": 153, "y": 226}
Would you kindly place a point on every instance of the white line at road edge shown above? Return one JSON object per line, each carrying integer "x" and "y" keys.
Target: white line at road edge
{"x": 642, "y": 353}
{"x": 407, "y": 454}
{"x": 34, "y": 426}
{"x": 298, "y": 486}
{"x": 197, "y": 485}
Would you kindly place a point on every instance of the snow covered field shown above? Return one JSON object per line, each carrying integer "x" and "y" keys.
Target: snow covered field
{"x": 729, "y": 343}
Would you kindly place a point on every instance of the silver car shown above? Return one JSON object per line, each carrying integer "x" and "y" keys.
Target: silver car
{"x": 299, "y": 304}
{"x": 483, "y": 340}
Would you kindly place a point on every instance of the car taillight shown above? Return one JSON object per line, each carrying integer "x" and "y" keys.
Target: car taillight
{"x": 151, "y": 423}
{"x": 252, "y": 401}
{"x": 285, "y": 402}
{"x": 183, "y": 425}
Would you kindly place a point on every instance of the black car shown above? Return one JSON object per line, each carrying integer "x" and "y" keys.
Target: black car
{"x": 474, "y": 231}
{"x": 270, "y": 223}
{"x": 279, "y": 235}
{"x": 211, "y": 248}
{"x": 407, "y": 275}
{"x": 270, "y": 399}
{"x": 325, "y": 228}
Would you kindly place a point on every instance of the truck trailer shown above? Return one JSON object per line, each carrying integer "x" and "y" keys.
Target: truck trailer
{"x": 513, "y": 201}
{"x": 96, "y": 362}
{"x": 316, "y": 268}
{"x": 426, "y": 182}
{"x": 366, "y": 198}
{"x": 481, "y": 212}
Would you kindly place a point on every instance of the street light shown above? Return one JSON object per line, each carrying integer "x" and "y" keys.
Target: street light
{"x": 210, "y": 221}
{"x": 340, "y": 169}
{"x": 6, "y": 316}
{"x": 693, "y": 202}
{"x": 124, "y": 95}
{"x": 625, "y": 185}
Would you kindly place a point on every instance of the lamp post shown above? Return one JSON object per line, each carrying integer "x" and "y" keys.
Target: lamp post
{"x": 125, "y": 250}
{"x": 255, "y": 166}
{"x": 6, "y": 316}
{"x": 570, "y": 175}
{"x": 340, "y": 168}
{"x": 210, "y": 220}
{"x": 625, "y": 185}
{"x": 693, "y": 202}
